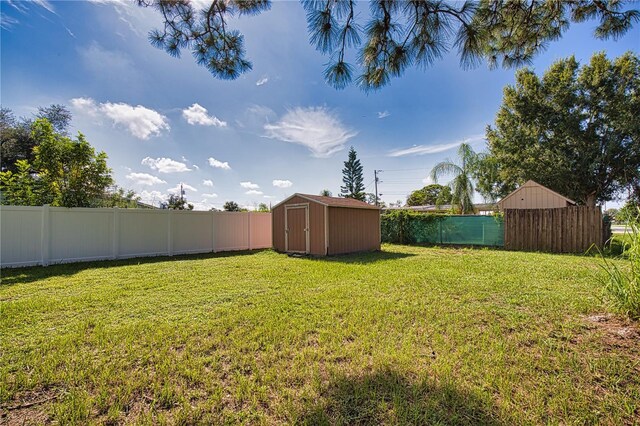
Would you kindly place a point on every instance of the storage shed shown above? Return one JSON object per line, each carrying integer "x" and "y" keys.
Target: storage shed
{"x": 532, "y": 195}
{"x": 318, "y": 225}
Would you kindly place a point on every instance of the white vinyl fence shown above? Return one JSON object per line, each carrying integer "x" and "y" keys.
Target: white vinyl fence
{"x": 46, "y": 235}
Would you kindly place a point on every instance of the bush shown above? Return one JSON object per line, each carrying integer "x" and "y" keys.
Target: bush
{"x": 408, "y": 227}
{"x": 622, "y": 284}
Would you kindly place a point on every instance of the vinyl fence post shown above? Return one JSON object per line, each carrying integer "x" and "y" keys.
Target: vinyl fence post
{"x": 115, "y": 241}
{"x": 249, "y": 229}
{"x": 169, "y": 232}
{"x": 45, "y": 236}
{"x": 213, "y": 231}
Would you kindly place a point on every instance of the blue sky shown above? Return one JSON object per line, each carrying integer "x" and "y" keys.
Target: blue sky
{"x": 277, "y": 130}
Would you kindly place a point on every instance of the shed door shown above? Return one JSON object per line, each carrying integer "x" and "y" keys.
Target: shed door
{"x": 297, "y": 228}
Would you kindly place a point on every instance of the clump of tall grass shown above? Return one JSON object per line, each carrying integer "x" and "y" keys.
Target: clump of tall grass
{"x": 622, "y": 282}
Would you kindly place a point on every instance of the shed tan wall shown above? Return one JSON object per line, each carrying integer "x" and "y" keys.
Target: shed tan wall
{"x": 353, "y": 230}
{"x": 533, "y": 197}
{"x": 316, "y": 226}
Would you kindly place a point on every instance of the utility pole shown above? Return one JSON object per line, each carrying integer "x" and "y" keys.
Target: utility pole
{"x": 181, "y": 193}
{"x": 375, "y": 180}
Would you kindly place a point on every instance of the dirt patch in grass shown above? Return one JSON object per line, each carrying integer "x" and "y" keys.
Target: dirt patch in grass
{"x": 617, "y": 332}
{"x": 28, "y": 408}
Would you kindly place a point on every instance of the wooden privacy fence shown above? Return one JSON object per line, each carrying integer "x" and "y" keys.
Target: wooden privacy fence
{"x": 45, "y": 235}
{"x": 559, "y": 230}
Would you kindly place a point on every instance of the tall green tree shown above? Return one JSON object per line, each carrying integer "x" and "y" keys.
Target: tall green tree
{"x": 326, "y": 193}
{"x": 177, "y": 202}
{"x": 462, "y": 178}
{"x": 396, "y": 35}
{"x": 433, "y": 194}
{"x": 71, "y": 171}
{"x": 65, "y": 172}
{"x": 352, "y": 178}
{"x": 119, "y": 197}
{"x": 575, "y": 130}
{"x": 19, "y": 188}
{"x": 16, "y": 135}
{"x": 231, "y": 206}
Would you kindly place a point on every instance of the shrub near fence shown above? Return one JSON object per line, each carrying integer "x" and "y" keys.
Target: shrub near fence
{"x": 404, "y": 227}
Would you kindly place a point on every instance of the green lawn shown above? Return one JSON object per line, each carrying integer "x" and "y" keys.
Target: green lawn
{"x": 410, "y": 335}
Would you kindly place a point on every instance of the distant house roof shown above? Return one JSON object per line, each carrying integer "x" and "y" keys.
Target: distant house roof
{"x": 141, "y": 205}
{"x": 532, "y": 183}
{"x": 332, "y": 201}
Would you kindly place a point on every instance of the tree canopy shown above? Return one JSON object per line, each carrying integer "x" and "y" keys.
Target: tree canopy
{"x": 394, "y": 36}
{"x": 575, "y": 130}
{"x": 231, "y": 206}
{"x": 352, "y": 178}
{"x": 16, "y": 136}
{"x": 433, "y": 194}
{"x": 65, "y": 172}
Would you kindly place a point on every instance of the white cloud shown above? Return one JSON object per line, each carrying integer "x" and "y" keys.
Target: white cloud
{"x": 7, "y": 22}
{"x": 152, "y": 197}
{"x": 213, "y": 195}
{"x": 433, "y": 149}
{"x": 383, "y": 114}
{"x": 45, "y": 4}
{"x": 112, "y": 65}
{"x": 85, "y": 105}
{"x": 140, "y": 121}
{"x": 261, "y": 111}
{"x": 144, "y": 179}
{"x": 253, "y": 192}
{"x": 18, "y": 5}
{"x": 249, "y": 185}
{"x": 316, "y": 128}
{"x": 269, "y": 196}
{"x": 198, "y": 115}
{"x": 219, "y": 164}
{"x": 185, "y": 187}
{"x": 207, "y": 182}
{"x": 262, "y": 80}
{"x": 204, "y": 205}
{"x": 165, "y": 165}
{"x": 282, "y": 183}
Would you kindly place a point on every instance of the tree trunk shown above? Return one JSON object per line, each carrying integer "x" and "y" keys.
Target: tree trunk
{"x": 591, "y": 200}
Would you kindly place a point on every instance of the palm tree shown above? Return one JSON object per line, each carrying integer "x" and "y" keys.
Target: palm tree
{"x": 326, "y": 193}
{"x": 461, "y": 184}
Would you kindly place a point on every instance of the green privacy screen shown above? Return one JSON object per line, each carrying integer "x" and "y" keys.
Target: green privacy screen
{"x": 413, "y": 228}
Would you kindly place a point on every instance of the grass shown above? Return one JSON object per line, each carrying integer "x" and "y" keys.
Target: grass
{"x": 622, "y": 284}
{"x": 410, "y": 335}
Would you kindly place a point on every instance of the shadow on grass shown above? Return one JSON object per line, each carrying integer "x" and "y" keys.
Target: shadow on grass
{"x": 366, "y": 257}
{"x": 10, "y": 276}
{"x": 452, "y": 246}
{"x": 389, "y": 398}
